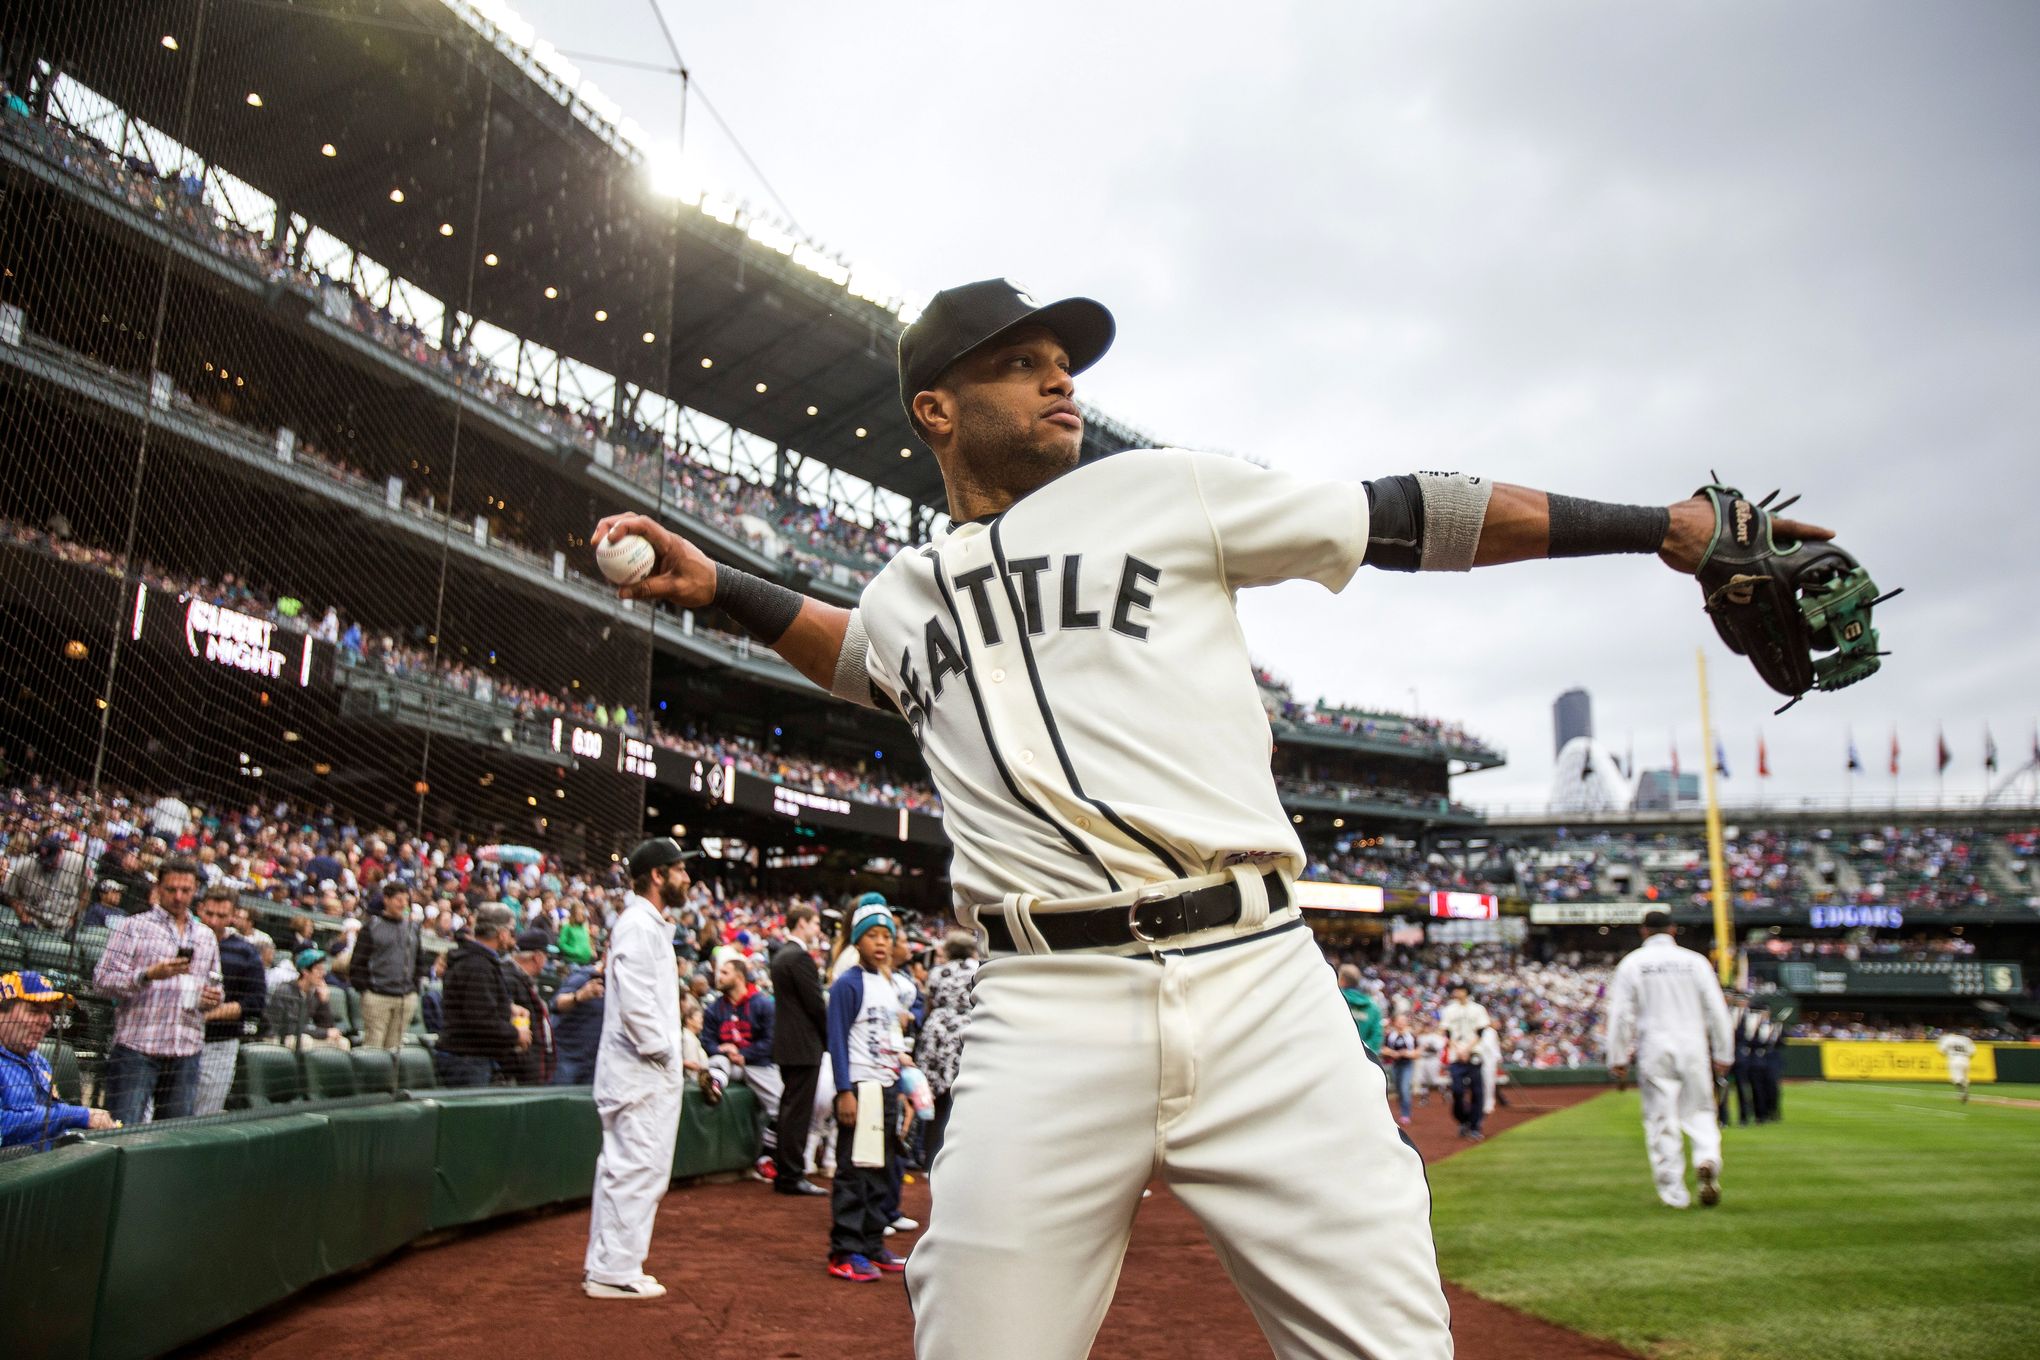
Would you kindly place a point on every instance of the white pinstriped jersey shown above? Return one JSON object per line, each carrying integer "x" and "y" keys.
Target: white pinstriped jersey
{"x": 1077, "y": 678}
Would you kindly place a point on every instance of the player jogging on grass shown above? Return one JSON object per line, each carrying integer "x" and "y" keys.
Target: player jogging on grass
{"x": 1666, "y": 1010}
{"x": 1958, "y": 1049}
{"x": 1070, "y": 659}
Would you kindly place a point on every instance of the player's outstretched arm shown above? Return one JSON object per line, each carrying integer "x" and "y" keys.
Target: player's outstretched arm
{"x": 1523, "y": 524}
{"x": 805, "y": 631}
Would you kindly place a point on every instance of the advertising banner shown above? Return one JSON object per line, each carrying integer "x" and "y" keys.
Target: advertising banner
{"x": 1866, "y": 1060}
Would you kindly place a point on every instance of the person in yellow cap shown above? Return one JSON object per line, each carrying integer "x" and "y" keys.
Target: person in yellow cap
{"x": 30, "y": 1113}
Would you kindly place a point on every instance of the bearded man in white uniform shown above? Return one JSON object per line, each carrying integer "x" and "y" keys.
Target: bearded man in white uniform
{"x": 1667, "y": 1012}
{"x": 638, "y": 1077}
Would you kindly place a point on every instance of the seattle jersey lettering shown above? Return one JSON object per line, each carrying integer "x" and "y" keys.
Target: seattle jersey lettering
{"x": 1050, "y": 593}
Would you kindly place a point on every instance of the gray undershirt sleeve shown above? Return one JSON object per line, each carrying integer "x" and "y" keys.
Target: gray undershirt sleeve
{"x": 852, "y": 682}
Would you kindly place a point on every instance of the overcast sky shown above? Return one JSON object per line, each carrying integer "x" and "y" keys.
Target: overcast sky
{"x": 1592, "y": 247}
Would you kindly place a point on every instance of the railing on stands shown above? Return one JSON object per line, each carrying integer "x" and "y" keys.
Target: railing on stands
{"x": 1856, "y": 807}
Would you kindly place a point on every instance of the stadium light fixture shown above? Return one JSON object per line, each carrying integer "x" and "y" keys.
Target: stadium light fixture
{"x": 708, "y": 363}
{"x": 906, "y": 453}
{"x": 649, "y": 337}
{"x": 396, "y": 195}
{"x": 861, "y": 432}
{"x": 329, "y": 150}
{"x": 446, "y": 228}
{"x": 761, "y": 389}
{"x": 490, "y": 259}
{"x": 814, "y": 410}
{"x": 254, "y": 100}
{"x": 170, "y": 42}
{"x": 551, "y": 292}
{"x": 531, "y": 800}
{"x": 1338, "y": 821}
{"x": 601, "y": 315}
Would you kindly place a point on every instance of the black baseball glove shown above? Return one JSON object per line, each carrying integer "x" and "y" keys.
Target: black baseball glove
{"x": 1800, "y": 611}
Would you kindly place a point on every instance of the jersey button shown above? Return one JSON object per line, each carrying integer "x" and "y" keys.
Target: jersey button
{"x": 998, "y": 677}
{"x": 1027, "y": 757}
{"x": 1083, "y": 823}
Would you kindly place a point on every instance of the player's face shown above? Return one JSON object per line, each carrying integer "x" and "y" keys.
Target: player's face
{"x": 1014, "y": 423}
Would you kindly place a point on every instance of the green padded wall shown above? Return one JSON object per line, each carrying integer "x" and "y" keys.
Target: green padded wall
{"x": 722, "y": 1139}
{"x": 206, "y": 1229}
{"x": 55, "y": 1211}
{"x": 378, "y": 1195}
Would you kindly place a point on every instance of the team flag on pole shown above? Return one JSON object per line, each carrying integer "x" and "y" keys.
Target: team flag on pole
{"x": 1675, "y": 751}
{"x": 1941, "y": 741}
{"x": 1856, "y": 761}
{"x": 1989, "y": 750}
{"x": 1720, "y": 759}
{"x": 1894, "y": 753}
{"x": 1763, "y": 759}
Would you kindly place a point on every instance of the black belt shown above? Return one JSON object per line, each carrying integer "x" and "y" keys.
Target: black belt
{"x": 1143, "y": 922}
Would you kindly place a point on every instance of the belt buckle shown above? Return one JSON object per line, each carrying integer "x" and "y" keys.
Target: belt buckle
{"x": 1145, "y": 896}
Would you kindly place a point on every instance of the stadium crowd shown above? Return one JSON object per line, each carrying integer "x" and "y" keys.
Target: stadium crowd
{"x": 818, "y": 539}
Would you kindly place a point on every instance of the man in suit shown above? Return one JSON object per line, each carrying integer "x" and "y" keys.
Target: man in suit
{"x": 797, "y": 1045}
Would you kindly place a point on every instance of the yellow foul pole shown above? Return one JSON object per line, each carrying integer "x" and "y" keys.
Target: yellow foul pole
{"x": 1724, "y": 952}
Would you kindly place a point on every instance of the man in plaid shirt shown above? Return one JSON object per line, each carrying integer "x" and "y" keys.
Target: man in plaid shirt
{"x": 161, "y": 965}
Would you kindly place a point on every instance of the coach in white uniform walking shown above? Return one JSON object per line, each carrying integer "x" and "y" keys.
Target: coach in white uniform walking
{"x": 1667, "y": 1011}
{"x": 638, "y": 1078}
{"x": 1071, "y": 660}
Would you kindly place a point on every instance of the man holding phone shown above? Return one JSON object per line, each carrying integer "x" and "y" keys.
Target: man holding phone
{"x": 158, "y": 967}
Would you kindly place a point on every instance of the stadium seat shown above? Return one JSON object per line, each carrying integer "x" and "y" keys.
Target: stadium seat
{"x": 375, "y": 1069}
{"x": 11, "y": 951}
{"x": 329, "y": 1074}
{"x": 414, "y": 1069}
{"x": 49, "y": 952}
{"x": 91, "y": 944}
{"x": 346, "y": 1010}
{"x": 269, "y": 1076}
{"x": 64, "y": 1074}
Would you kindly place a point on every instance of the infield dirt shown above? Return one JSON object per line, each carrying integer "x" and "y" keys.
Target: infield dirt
{"x": 744, "y": 1268}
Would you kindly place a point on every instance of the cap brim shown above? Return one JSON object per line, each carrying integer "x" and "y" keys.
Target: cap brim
{"x": 1085, "y": 328}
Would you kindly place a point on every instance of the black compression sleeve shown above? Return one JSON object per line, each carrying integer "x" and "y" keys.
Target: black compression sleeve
{"x": 1581, "y": 528}
{"x": 1395, "y": 524}
{"x": 757, "y": 606}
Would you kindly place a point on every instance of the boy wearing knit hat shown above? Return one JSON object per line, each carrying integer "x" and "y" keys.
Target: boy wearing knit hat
{"x": 865, "y": 1046}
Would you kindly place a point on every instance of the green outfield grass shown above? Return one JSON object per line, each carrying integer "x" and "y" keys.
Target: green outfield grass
{"x": 1878, "y": 1222}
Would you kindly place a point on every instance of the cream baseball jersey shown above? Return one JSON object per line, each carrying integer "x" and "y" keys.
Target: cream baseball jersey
{"x": 1076, "y": 675}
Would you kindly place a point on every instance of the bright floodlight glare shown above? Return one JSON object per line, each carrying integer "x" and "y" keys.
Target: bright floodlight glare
{"x": 446, "y": 228}
{"x": 396, "y": 195}
{"x": 761, "y": 389}
{"x": 551, "y": 292}
{"x": 708, "y": 363}
{"x": 489, "y": 259}
{"x": 601, "y": 315}
{"x": 861, "y": 432}
{"x": 169, "y": 42}
{"x": 254, "y": 100}
{"x": 906, "y": 453}
{"x": 649, "y": 337}
{"x": 329, "y": 150}
{"x": 814, "y": 410}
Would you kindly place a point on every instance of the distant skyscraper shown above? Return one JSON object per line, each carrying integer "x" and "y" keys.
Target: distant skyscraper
{"x": 1571, "y": 717}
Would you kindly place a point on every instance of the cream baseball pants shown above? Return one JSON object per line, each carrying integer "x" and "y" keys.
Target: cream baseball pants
{"x": 1232, "y": 1072}
{"x": 1678, "y": 1104}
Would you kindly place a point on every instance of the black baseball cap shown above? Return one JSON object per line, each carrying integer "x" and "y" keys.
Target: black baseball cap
{"x": 957, "y": 320}
{"x": 1656, "y": 919}
{"x": 657, "y": 853}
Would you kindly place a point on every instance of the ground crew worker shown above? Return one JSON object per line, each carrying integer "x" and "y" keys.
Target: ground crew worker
{"x": 638, "y": 1076}
{"x": 1666, "y": 1012}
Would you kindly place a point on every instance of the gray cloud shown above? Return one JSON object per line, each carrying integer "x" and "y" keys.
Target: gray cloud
{"x": 1594, "y": 247}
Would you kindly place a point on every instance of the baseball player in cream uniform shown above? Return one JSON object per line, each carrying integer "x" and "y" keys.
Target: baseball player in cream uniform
{"x": 638, "y": 1077}
{"x": 1958, "y": 1049}
{"x": 1070, "y": 659}
{"x": 1667, "y": 1014}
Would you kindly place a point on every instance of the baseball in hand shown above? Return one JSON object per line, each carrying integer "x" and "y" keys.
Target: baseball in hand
{"x": 625, "y": 559}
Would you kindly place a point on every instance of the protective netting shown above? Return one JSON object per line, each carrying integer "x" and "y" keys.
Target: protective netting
{"x": 327, "y": 333}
